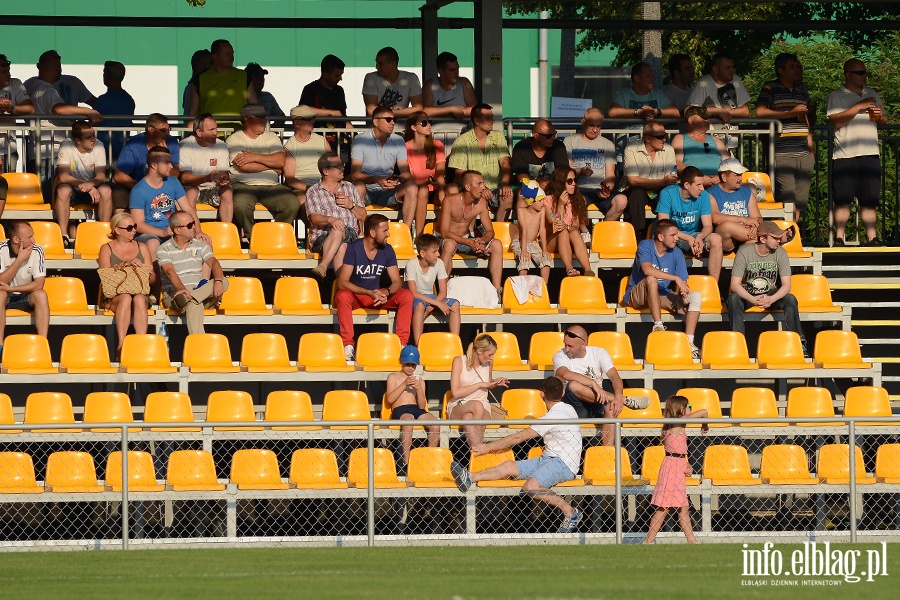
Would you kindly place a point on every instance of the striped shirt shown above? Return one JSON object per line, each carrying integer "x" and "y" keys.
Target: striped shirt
{"x": 320, "y": 201}
{"x": 776, "y": 96}
{"x": 188, "y": 262}
{"x": 28, "y": 272}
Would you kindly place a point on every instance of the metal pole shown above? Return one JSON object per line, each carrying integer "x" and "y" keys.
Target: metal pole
{"x": 618, "y": 449}
{"x": 370, "y": 465}
{"x": 852, "y": 444}
{"x": 543, "y": 92}
{"x": 124, "y": 487}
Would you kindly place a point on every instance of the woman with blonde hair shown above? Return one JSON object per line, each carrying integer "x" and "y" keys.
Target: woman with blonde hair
{"x": 123, "y": 248}
{"x": 427, "y": 161}
{"x": 470, "y": 380}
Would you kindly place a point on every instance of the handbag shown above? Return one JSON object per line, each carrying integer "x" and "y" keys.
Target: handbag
{"x": 124, "y": 278}
{"x": 498, "y": 413}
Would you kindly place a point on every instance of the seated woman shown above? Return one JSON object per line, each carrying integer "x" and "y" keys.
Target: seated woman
{"x": 470, "y": 380}
{"x": 123, "y": 248}
{"x": 426, "y": 164}
{"x": 699, "y": 148}
{"x": 565, "y": 213}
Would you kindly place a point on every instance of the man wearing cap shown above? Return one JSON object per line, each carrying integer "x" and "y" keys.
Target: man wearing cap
{"x": 735, "y": 212}
{"x": 406, "y": 399}
{"x": 256, "y": 75}
{"x": 302, "y": 151}
{"x": 204, "y": 168}
{"x": 222, "y": 89}
{"x": 257, "y": 159}
{"x": 761, "y": 276}
{"x": 390, "y": 87}
{"x": 132, "y": 164}
{"x": 115, "y": 101}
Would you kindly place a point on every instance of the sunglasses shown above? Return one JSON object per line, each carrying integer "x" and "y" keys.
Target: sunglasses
{"x": 129, "y": 228}
{"x": 337, "y": 166}
{"x": 706, "y": 147}
{"x": 89, "y": 137}
{"x": 859, "y": 72}
{"x": 659, "y": 136}
{"x": 188, "y": 225}
{"x": 424, "y": 123}
{"x": 570, "y": 180}
{"x": 387, "y": 119}
{"x": 548, "y": 136}
{"x": 569, "y": 334}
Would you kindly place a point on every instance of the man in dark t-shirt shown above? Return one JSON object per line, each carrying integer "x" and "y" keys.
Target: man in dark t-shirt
{"x": 359, "y": 282}
{"x": 324, "y": 95}
{"x": 538, "y": 156}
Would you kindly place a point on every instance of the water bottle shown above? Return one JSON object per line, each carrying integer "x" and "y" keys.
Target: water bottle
{"x": 161, "y": 330}
{"x": 675, "y": 170}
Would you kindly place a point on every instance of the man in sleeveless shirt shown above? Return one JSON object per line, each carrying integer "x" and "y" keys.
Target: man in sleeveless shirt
{"x": 448, "y": 95}
{"x": 223, "y": 89}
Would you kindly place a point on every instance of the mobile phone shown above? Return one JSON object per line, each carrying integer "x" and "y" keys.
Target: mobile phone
{"x": 420, "y": 370}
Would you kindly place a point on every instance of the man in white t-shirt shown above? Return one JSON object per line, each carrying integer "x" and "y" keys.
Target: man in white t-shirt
{"x": 22, "y": 274}
{"x": 390, "y": 87}
{"x": 81, "y": 168}
{"x": 302, "y": 152}
{"x": 204, "y": 168}
{"x": 558, "y": 462}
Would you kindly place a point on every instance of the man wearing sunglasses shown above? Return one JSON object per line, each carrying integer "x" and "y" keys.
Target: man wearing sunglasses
{"x": 132, "y": 163}
{"x": 649, "y": 167}
{"x": 538, "y": 156}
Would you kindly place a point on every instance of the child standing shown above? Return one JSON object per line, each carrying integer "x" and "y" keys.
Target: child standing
{"x": 405, "y": 396}
{"x": 671, "y": 490}
{"x": 421, "y": 274}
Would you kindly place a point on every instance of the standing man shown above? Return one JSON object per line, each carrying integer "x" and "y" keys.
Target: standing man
{"x": 115, "y": 101}
{"x": 390, "y": 87}
{"x": 14, "y": 102}
{"x": 649, "y": 167}
{"x": 641, "y": 100}
{"x": 681, "y": 79}
{"x": 359, "y": 283}
{"x": 761, "y": 276}
{"x": 856, "y": 111}
{"x": 257, "y": 77}
{"x": 735, "y": 211}
{"x": 449, "y": 95}
{"x": 132, "y": 164}
{"x": 22, "y": 274}
{"x": 257, "y": 161}
{"x": 222, "y": 89}
{"x": 786, "y": 99}
{"x": 302, "y": 151}
{"x": 204, "y": 168}
{"x": 201, "y": 61}
{"x": 723, "y": 95}
{"x": 81, "y": 170}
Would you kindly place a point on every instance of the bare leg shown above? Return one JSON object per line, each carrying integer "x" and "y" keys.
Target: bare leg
{"x": 869, "y": 218}
{"x": 495, "y": 263}
{"x": 421, "y": 208}
{"x": 121, "y": 307}
{"x": 139, "y": 313}
{"x": 448, "y": 249}
{"x": 656, "y": 522}
{"x": 418, "y": 322}
{"x": 684, "y": 519}
{"x": 468, "y": 411}
{"x": 3, "y": 297}
{"x": 715, "y": 256}
{"x": 564, "y": 247}
{"x": 691, "y": 318}
{"x": 454, "y": 318}
{"x": 545, "y": 274}
{"x": 226, "y": 205}
{"x": 104, "y": 206}
{"x": 841, "y": 216}
{"x": 63, "y": 203}
{"x": 330, "y": 246}
{"x": 534, "y": 489}
{"x": 38, "y": 299}
{"x": 505, "y": 470}
{"x": 406, "y": 437}
{"x": 619, "y": 203}
{"x": 581, "y": 251}
{"x": 434, "y": 432}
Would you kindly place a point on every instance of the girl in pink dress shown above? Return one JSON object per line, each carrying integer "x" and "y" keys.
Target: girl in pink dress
{"x": 670, "y": 490}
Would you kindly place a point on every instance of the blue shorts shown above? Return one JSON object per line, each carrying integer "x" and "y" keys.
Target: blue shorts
{"x": 408, "y": 409}
{"x": 546, "y": 469}
{"x": 417, "y": 302}
{"x": 19, "y": 301}
{"x": 381, "y": 197}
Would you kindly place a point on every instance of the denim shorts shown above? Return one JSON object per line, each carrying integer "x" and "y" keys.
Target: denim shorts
{"x": 19, "y": 301}
{"x": 381, "y": 197}
{"x": 546, "y": 469}
{"x": 417, "y": 302}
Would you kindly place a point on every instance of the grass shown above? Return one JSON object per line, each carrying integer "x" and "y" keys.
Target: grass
{"x": 454, "y": 573}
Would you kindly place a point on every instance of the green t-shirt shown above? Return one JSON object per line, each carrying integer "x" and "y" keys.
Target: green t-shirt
{"x": 760, "y": 275}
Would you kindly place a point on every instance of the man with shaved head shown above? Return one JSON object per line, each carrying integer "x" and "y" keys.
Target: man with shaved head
{"x": 538, "y": 156}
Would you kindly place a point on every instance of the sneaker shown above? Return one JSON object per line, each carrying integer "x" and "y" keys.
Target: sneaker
{"x": 586, "y": 236}
{"x": 68, "y": 244}
{"x": 570, "y": 524}
{"x": 460, "y": 476}
{"x": 838, "y": 242}
{"x": 637, "y": 402}
{"x": 695, "y": 352}
{"x": 349, "y": 353}
{"x": 659, "y": 327}
{"x": 873, "y": 243}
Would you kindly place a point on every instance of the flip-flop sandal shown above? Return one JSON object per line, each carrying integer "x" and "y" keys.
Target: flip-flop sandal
{"x": 572, "y": 273}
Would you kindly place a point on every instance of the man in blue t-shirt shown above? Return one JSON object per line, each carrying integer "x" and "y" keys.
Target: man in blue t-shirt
{"x": 131, "y": 165}
{"x": 687, "y": 204}
{"x": 656, "y": 264}
{"x": 359, "y": 282}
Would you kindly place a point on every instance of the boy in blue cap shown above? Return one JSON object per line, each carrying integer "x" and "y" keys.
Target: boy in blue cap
{"x": 405, "y": 397}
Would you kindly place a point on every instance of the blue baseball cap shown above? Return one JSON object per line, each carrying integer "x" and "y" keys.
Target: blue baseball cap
{"x": 409, "y": 355}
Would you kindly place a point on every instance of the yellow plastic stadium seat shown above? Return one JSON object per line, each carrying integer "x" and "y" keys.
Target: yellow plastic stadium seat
{"x": 614, "y": 239}
{"x": 360, "y": 310}
{"x": 711, "y": 302}
{"x": 265, "y": 353}
{"x": 651, "y": 463}
{"x": 583, "y": 296}
{"x": 754, "y": 403}
{"x": 726, "y": 350}
{"x": 508, "y": 357}
{"x": 27, "y": 354}
{"x": 256, "y": 470}
{"x": 226, "y": 242}
{"x": 523, "y": 403}
{"x": 887, "y": 464}
{"x": 813, "y": 294}
{"x": 231, "y": 406}
{"x": 670, "y": 351}
{"x": 244, "y": 297}
{"x": 298, "y": 296}
{"x": 66, "y": 297}
{"x": 169, "y": 407}
{"x": 401, "y": 241}
{"x": 289, "y": 405}
{"x": 600, "y": 467}
{"x": 208, "y": 353}
{"x": 322, "y": 352}
{"x": 728, "y": 465}
{"x": 345, "y": 405}
{"x": 653, "y": 410}
{"x": 48, "y": 236}
{"x": 45, "y": 408}
{"x": 146, "y": 353}
{"x": 17, "y": 474}
{"x": 768, "y": 197}
{"x": 781, "y": 350}
{"x": 704, "y": 398}
{"x": 430, "y": 468}
{"x": 85, "y": 353}
{"x": 378, "y": 351}
{"x": 192, "y": 471}
{"x": 618, "y": 345}
{"x": 72, "y": 473}
{"x": 543, "y": 346}
{"x": 108, "y": 407}
{"x": 869, "y": 401}
{"x": 838, "y": 349}
{"x": 7, "y": 417}
{"x": 274, "y": 241}
{"x": 437, "y": 349}
{"x": 315, "y": 469}
{"x": 794, "y": 248}
{"x": 785, "y": 464}
{"x": 810, "y": 402}
{"x": 385, "y": 475}
{"x": 833, "y": 465}
{"x": 534, "y": 305}
{"x": 504, "y": 231}
{"x": 492, "y": 459}
{"x": 141, "y": 474}
{"x": 89, "y": 237}
{"x": 24, "y": 192}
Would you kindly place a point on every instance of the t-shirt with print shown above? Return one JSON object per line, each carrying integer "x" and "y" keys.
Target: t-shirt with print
{"x": 202, "y": 161}
{"x": 157, "y": 203}
{"x": 424, "y": 281}
{"x": 736, "y": 203}
{"x": 15, "y": 91}
{"x": 82, "y": 165}
{"x": 367, "y": 272}
{"x": 672, "y": 261}
{"x": 592, "y": 153}
{"x": 595, "y": 363}
{"x": 526, "y": 162}
{"x": 562, "y": 441}
{"x": 760, "y": 275}
{"x": 685, "y": 213}
{"x": 392, "y": 95}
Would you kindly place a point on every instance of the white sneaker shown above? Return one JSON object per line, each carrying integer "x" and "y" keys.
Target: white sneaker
{"x": 695, "y": 352}
{"x": 659, "y": 327}
{"x": 586, "y": 236}
{"x": 637, "y": 402}
{"x": 349, "y": 354}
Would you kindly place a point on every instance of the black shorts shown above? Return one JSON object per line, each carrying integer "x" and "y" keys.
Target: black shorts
{"x": 408, "y": 409}
{"x": 858, "y": 177}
